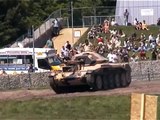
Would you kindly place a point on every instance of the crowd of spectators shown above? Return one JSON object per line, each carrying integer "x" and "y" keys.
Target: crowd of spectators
{"x": 115, "y": 45}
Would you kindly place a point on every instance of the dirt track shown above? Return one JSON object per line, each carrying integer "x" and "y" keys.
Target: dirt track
{"x": 149, "y": 87}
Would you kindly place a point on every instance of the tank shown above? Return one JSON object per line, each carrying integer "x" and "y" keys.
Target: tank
{"x": 89, "y": 70}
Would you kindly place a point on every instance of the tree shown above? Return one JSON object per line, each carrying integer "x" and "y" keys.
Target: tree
{"x": 17, "y": 16}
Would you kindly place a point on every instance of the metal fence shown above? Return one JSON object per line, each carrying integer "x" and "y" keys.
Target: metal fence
{"x": 42, "y": 29}
{"x": 89, "y": 16}
{"x": 95, "y": 20}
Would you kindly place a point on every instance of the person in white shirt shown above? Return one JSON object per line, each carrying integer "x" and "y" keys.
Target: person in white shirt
{"x": 55, "y": 27}
{"x": 65, "y": 51}
{"x": 113, "y": 22}
{"x": 87, "y": 46}
{"x": 135, "y": 21}
{"x": 112, "y": 57}
{"x": 151, "y": 38}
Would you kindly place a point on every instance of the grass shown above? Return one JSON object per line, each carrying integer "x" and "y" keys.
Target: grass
{"x": 101, "y": 107}
{"x": 110, "y": 108}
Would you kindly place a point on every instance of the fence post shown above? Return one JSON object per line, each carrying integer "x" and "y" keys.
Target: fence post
{"x": 83, "y": 21}
{"x": 140, "y": 69}
{"x": 67, "y": 22}
{"x": 30, "y": 81}
{"x": 149, "y": 79}
{"x": 152, "y": 72}
{"x": 9, "y": 84}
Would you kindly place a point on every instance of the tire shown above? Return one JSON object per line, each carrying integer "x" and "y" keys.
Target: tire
{"x": 98, "y": 83}
{"x": 105, "y": 82}
{"x": 123, "y": 79}
{"x": 117, "y": 80}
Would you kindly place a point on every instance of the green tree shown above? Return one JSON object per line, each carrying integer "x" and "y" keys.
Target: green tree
{"x": 17, "y": 16}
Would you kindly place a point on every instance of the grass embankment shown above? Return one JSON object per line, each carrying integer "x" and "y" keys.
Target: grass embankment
{"x": 128, "y": 30}
{"x": 101, "y": 107}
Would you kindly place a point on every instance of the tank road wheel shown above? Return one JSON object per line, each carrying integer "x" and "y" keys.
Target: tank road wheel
{"x": 117, "y": 80}
{"x": 123, "y": 79}
{"x": 105, "y": 82}
{"x": 98, "y": 83}
{"x": 111, "y": 80}
{"x": 54, "y": 86}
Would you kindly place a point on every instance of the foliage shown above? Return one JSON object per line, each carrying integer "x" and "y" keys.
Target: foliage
{"x": 17, "y": 16}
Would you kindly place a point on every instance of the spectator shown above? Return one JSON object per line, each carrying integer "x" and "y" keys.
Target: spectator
{"x": 142, "y": 55}
{"x": 49, "y": 44}
{"x": 154, "y": 54}
{"x": 142, "y": 36}
{"x": 64, "y": 53}
{"x": 144, "y": 25}
{"x": 100, "y": 40}
{"x": 112, "y": 57}
{"x": 87, "y": 46}
{"x": 126, "y": 15}
{"x": 106, "y": 27}
{"x": 125, "y": 56}
{"x": 138, "y": 25}
{"x": 120, "y": 33}
{"x": 151, "y": 38}
{"x": 135, "y": 22}
{"x": 134, "y": 58}
{"x": 158, "y": 40}
{"x": 68, "y": 45}
{"x": 31, "y": 68}
{"x": 113, "y": 22}
{"x": 55, "y": 27}
{"x": 158, "y": 21}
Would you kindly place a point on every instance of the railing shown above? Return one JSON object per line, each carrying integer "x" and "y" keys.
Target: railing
{"x": 42, "y": 29}
{"x": 95, "y": 20}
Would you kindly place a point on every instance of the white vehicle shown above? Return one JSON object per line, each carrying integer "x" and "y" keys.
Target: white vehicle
{"x": 18, "y": 60}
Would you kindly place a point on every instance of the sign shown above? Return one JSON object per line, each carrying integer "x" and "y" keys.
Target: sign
{"x": 77, "y": 33}
{"x": 147, "y": 12}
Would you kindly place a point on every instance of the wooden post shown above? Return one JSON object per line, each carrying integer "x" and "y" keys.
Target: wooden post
{"x": 143, "y": 107}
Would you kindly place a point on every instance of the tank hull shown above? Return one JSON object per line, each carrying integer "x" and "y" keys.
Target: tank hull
{"x": 97, "y": 77}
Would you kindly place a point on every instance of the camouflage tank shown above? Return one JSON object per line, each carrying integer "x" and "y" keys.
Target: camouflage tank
{"x": 90, "y": 70}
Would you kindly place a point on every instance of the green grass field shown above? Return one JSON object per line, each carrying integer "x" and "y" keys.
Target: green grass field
{"x": 72, "y": 108}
